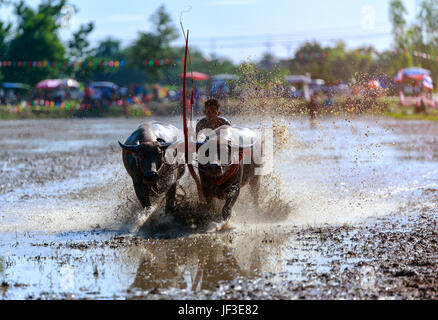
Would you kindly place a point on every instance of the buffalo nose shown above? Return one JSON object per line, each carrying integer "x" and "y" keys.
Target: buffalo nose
{"x": 151, "y": 177}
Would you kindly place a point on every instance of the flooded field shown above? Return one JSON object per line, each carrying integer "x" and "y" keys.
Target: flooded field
{"x": 348, "y": 212}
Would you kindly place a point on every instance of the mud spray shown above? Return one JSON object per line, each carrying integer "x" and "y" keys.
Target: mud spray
{"x": 336, "y": 169}
{"x": 328, "y": 170}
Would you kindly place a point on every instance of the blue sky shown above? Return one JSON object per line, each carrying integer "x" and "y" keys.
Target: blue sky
{"x": 243, "y": 29}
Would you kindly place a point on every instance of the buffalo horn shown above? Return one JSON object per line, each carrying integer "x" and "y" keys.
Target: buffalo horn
{"x": 132, "y": 148}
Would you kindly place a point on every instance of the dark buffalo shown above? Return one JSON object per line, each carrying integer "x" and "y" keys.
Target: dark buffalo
{"x": 224, "y": 180}
{"x": 144, "y": 159}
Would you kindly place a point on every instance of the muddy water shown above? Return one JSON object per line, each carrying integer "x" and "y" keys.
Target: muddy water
{"x": 71, "y": 226}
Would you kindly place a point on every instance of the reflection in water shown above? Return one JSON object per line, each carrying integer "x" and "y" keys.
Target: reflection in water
{"x": 197, "y": 265}
{"x": 2, "y": 268}
{"x": 200, "y": 262}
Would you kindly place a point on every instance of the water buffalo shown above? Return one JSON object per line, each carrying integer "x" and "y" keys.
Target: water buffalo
{"x": 224, "y": 179}
{"x": 144, "y": 159}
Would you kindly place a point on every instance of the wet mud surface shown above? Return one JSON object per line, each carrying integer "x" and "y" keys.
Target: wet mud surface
{"x": 349, "y": 212}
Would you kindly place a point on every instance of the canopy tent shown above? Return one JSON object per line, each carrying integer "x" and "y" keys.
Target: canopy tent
{"x": 416, "y": 87}
{"x": 416, "y": 74}
{"x": 10, "y": 85}
{"x": 50, "y": 84}
{"x": 70, "y": 83}
{"x": 104, "y": 84}
{"x": 197, "y": 76}
{"x": 224, "y": 77}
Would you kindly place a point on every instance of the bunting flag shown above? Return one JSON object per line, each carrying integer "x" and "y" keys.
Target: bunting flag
{"x": 62, "y": 63}
{"x": 161, "y": 62}
{"x": 318, "y": 55}
{"x": 423, "y": 55}
{"x": 86, "y": 63}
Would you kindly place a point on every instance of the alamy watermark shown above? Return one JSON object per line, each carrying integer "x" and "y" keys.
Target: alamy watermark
{"x": 68, "y": 13}
{"x": 227, "y": 147}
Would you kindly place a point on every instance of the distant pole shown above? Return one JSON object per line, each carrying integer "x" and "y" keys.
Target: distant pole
{"x": 213, "y": 48}
{"x": 269, "y": 44}
{"x": 289, "y": 50}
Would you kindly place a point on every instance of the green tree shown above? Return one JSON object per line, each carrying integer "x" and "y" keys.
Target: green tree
{"x": 79, "y": 46}
{"x": 310, "y": 58}
{"x": 36, "y": 39}
{"x": 110, "y": 49}
{"x": 428, "y": 21}
{"x": 421, "y": 35}
{"x": 4, "y": 33}
{"x": 155, "y": 45}
{"x": 79, "y": 50}
{"x": 397, "y": 15}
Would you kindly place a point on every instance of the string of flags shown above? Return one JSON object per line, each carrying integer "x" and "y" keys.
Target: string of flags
{"x": 91, "y": 63}
{"x": 87, "y": 63}
{"x": 62, "y": 63}
{"x": 419, "y": 54}
{"x": 161, "y": 62}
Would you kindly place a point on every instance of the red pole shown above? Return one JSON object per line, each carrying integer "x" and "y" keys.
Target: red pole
{"x": 186, "y": 132}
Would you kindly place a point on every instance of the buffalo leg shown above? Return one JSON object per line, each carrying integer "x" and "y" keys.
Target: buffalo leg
{"x": 170, "y": 199}
{"x": 229, "y": 204}
{"x": 142, "y": 195}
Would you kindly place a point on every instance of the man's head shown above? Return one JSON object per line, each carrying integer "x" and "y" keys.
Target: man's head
{"x": 211, "y": 109}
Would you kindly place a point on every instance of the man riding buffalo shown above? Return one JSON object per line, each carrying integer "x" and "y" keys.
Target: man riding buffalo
{"x": 226, "y": 163}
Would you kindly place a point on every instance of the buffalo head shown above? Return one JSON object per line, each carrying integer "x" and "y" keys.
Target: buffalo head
{"x": 150, "y": 158}
{"x": 216, "y": 160}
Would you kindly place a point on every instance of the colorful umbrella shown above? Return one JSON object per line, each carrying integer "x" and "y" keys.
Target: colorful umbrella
{"x": 9, "y": 85}
{"x": 49, "y": 84}
{"x": 104, "y": 84}
{"x": 70, "y": 83}
{"x": 197, "y": 76}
